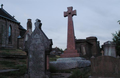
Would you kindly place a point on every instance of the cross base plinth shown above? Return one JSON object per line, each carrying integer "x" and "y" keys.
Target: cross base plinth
{"x": 70, "y": 53}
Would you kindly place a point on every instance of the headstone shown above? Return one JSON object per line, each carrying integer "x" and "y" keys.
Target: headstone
{"x": 105, "y": 67}
{"x": 71, "y": 50}
{"x": 38, "y": 47}
{"x": 109, "y": 49}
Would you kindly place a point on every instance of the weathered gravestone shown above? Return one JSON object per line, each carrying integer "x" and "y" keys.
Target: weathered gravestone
{"x": 39, "y": 47}
{"x": 105, "y": 67}
{"x": 109, "y": 49}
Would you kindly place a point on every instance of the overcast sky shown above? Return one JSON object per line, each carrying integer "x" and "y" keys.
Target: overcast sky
{"x": 94, "y": 17}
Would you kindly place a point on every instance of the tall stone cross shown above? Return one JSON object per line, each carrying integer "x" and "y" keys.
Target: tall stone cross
{"x": 70, "y": 36}
{"x": 71, "y": 51}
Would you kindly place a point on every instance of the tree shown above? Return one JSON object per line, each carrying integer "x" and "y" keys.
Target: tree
{"x": 118, "y": 21}
{"x": 116, "y": 39}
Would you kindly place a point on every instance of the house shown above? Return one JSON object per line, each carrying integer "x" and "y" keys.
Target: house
{"x": 11, "y": 32}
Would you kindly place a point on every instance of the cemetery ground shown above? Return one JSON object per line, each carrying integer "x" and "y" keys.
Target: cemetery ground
{"x": 69, "y": 73}
{"x": 13, "y": 64}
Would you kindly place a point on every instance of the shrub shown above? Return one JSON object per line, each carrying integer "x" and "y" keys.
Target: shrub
{"x": 53, "y": 69}
{"x": 80, "y": 74}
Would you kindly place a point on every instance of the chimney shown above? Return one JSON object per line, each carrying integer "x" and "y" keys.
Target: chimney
{"x": 29, "y": 26}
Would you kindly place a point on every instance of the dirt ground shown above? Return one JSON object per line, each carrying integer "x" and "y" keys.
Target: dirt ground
{"x": 61, "y": 75}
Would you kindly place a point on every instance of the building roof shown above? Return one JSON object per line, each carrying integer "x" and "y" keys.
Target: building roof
{"x": 22, "y": 31}
{"x": 6, "y": 15}
{"x": 21, "y": 27}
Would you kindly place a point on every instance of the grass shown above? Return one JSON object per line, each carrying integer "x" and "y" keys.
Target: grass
{"x": 8, "y": 52}
{"x": 54, "y": 58}
{"x": 76, "y": 73}
{"x": 22, "y": 69}
{"x": 5, "y": 54}
{"x": 7, "y": 63}
{"x": 23, "y": 61}
{"x": 85, "y": 73}
{"x": 53, "y": 69}
{"x": 12, "y": 64}
{"x": 15, "y": 74}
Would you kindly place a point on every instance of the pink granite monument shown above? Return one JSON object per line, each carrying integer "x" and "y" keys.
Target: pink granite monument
{"x": 71, "y": 50}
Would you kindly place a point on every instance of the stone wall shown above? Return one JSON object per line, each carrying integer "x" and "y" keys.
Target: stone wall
{"x": 20, "y": 43}
{"x": 83, "y": 47}
{"x": 105, "y": 66}
{"x": 4, "y": 25}
{"x": 93, "y": 41}
{"x": 0, "y": 38}
{"x": 88, "y": 47}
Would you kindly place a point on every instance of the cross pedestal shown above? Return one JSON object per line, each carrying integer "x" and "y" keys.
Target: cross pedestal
{"x": 71, "y": 51}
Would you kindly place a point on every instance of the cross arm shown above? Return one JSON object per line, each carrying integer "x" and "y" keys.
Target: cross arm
{"x": 74, "y": 13}
{"x": 65, "y": 14}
